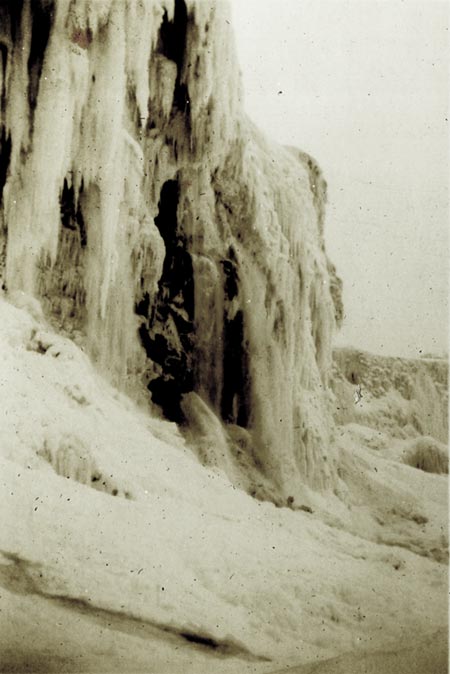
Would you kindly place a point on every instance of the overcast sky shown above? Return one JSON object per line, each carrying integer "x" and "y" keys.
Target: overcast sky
{"x": 363, "y": 86}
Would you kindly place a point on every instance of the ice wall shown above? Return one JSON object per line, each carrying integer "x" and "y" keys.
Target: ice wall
{"x": 160, "y": 228}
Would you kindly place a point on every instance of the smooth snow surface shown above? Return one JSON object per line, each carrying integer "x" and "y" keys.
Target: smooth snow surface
{"x": 107, "y": 512}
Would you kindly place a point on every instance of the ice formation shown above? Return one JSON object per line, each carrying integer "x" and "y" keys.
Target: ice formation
{"x": 161, "y": 229}
{"x": 403, "y": 397}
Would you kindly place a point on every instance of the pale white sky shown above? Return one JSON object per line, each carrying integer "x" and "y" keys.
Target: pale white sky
{"x": 363, "y": 86}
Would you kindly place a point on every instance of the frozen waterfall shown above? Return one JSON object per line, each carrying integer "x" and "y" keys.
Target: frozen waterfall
{"x": 156, "y": 225}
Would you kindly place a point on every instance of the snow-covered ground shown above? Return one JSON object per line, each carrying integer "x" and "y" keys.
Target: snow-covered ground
{"x": 121, "y": 552}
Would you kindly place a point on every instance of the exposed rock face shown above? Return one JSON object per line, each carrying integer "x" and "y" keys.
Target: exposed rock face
{"x": 154, "y": 221}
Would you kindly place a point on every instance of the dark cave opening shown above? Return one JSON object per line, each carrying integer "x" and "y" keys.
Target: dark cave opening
{"x": 167, "y": 334}
{"x": 172, "y": 34}
{"x": 172, "y": 45}
{"x": 177, "y": 280}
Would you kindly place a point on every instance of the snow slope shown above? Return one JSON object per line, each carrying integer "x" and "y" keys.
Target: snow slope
{"x": 107, "y": 512}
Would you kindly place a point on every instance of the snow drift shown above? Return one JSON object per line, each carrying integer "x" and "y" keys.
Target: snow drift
{"x": 108, "y": 518}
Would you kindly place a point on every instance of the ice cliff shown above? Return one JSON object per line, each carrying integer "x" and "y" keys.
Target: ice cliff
{"x": 162, "y": 231}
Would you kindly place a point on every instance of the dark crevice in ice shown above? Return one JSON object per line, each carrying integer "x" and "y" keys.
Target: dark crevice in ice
{"x": 167, "y": 334}
{"x": 61, "y": 285}
{"x": 181, "y": 100}
{"x": 10, "y": 31}
{"x": 71, "y": 215}
{"x": 41, "y": 20}
{"x": 172, "y": 44}
{"x": 235, "y": 404}
{"x": 177, "y": 277}
{"x": 5, "y": 154}
{"x": 142, "y": 306}
{"x": 199, "y": 639}
{"x": 10, "y": 16}
{"x": 4, "y": 59}
{"x": 172, "y": 34}
{"x": 230, "y": 270}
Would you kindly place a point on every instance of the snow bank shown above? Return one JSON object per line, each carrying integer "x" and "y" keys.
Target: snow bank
{"x": 172, "y": 546}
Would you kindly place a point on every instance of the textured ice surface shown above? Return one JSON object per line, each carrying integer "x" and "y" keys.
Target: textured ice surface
{"x": 403, "y": 397}
{"x": 161, "y": 229}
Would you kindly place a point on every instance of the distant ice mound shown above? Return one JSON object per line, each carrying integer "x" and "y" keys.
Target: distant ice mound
{"x": 402, "y": 397}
